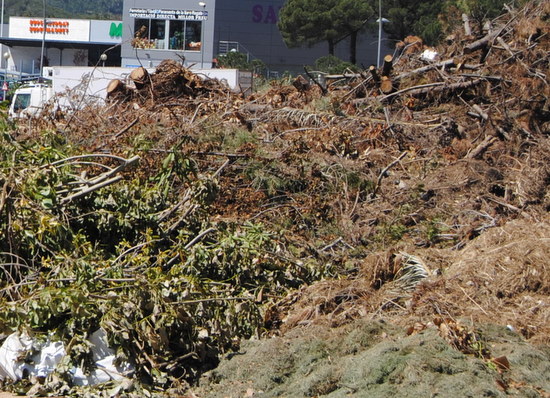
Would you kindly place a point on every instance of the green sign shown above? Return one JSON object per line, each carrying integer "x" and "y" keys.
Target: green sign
{"x": 115, "y": 30}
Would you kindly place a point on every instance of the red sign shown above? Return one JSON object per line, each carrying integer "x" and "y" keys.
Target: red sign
{"x": 5, "y": 86}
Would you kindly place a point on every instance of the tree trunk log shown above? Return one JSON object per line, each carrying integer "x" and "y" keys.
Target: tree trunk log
{"x": 467, "y": 28}
{"x": 374, "y": 73}
{"x": 387, "y": 68}
{"x": 432, "y": 88}
{"x": 115, "y": 86}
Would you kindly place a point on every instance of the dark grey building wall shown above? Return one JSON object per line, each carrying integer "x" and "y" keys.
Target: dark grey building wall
{"x": 252, "y": 24}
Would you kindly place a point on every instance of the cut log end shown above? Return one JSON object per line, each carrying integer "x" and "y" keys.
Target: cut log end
{"x": 114, "y": 86}
{"x": 386, "y": 85}
{"x": 140, "y": 77}
{"x": 374, "y": 73}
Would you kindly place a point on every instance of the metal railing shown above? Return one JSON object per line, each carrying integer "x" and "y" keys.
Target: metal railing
{"x": 225, "y": 46}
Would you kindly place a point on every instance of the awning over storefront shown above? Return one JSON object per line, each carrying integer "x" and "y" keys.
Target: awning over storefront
{"x": 53, "y": 44}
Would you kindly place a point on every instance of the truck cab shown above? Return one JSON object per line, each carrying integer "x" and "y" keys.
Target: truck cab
{"x": 29, "y": 100}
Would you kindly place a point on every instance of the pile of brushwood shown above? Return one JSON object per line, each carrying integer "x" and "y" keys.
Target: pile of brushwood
{"x": 182, "y": 217}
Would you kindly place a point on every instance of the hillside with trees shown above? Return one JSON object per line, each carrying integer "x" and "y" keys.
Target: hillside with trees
{"x": 100, "y": 9}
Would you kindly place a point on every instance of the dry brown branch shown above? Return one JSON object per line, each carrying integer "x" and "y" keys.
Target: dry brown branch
{"x": 432, "y": 88}
{"x": 385, "y": 171}
{"x": 482, "y": 147}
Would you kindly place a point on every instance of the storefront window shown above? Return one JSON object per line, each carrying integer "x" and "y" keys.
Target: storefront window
{"x": 177, "y": 35}
{"x": 193, "y": 36}
{"x": 142, "y": 27}
{"x": 183, "y": 35}
{"x": 157, "y": 33}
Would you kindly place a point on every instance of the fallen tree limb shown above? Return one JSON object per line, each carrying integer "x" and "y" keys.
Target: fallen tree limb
{"x": 303, "y": 118}
{"x": 432, "y": 88}
{"x": 482, "y": 147}
{"x": 90, "y": 189}
{"x": 384, "y": 171}
{"x": 102, "y": 180}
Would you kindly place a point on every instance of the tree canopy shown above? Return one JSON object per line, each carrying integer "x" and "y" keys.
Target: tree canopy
{"x": 308, "y": 22}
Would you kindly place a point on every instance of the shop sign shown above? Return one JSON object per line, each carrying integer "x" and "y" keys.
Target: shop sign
{"x": 187, "y": 15}
{"x": 54, "y": 29}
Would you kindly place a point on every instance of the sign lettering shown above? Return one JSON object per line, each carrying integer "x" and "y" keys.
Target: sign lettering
{"x": 187, "y": 15}
{"x": 58, "y": 27}
{"x": 261, "y": 14}
{"x": 115, "y": 30}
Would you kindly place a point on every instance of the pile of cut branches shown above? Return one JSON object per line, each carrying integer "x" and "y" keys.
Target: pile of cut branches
{"x": 237, "y": 201}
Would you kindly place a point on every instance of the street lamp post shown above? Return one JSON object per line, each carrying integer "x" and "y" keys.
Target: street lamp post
{"x": 380, "y": 22}
{"x": 43, "y": 37}
{"x": 379, "y": 32}
{"x": 2, "y": 29}
{"x": 203, "y": 5}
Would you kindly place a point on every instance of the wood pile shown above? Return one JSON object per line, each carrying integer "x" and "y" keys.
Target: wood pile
{"x": 170, "y": 81}
{"x": 483, "y": 97}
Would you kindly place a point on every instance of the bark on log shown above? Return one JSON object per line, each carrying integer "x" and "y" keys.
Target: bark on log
{"x": 301, "y": 83}
{"x": 481, "y": 148}
{"x": 374, "y": 73}
{"x": 481, "y": 43}
{"x": 387, "y": 68}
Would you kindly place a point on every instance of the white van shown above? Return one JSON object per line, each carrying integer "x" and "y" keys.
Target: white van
{"x": 29, "y": 100}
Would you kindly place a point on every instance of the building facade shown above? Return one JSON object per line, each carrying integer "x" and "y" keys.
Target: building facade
{"x": 177, "y": 29}
{"x": 67, "y": 42}
{"x": 191, "y": 31}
